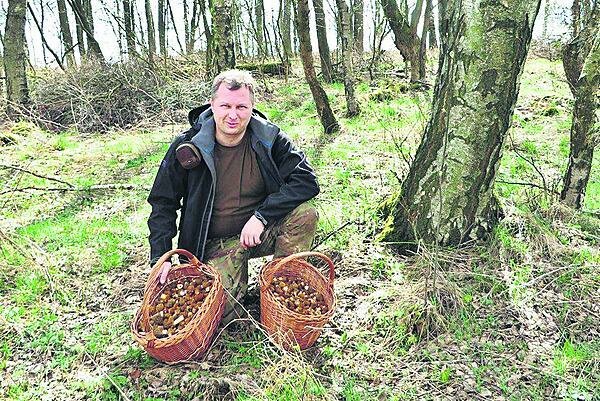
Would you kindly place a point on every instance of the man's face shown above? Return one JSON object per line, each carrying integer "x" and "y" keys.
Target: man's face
{"x": 232, "y": 110}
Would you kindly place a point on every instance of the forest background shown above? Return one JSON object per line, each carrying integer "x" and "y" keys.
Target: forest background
{"x": 454, "y": 144}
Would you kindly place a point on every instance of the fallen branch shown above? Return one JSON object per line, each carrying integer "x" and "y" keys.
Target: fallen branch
{"x": 334, "y": 232}
{"x": 98, "y": 187}
{"x": 35, "y": 174}
{"x": 529, "y": 184}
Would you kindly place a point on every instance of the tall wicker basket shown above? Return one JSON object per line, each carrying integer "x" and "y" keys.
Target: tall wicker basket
{"x": 285, "y": 326}
{"x": 192, "y": 341}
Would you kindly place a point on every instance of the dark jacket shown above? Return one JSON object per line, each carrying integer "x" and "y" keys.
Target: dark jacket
{"x": 289, "y": 181}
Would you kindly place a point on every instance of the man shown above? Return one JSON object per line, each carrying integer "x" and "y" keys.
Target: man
{"x": 241, "y": 186}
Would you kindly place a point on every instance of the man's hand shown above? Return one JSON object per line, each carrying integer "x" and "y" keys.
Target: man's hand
{"x": 164, "y": 270}
{"x": 250, "y": 236}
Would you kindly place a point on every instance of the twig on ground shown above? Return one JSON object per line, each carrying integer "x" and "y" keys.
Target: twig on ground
{"x": 334, "y": 232}
{"x": 7, "y": 166}
{"x": 110, "y": 379}
{"x": 98, "y": 187}
{"x": 529, "y": 184}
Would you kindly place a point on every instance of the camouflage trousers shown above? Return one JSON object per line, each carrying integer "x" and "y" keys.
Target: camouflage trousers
{"x": 294, "y": 233}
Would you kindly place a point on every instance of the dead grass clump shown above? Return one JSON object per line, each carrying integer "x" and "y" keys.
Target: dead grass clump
{"x": 418, "y": 310}
{"x": 95, "y": 97}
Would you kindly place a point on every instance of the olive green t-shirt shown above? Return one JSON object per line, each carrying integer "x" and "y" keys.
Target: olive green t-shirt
{"x": 240, "y": 189}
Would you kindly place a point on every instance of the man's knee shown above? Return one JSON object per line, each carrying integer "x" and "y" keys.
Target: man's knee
{"x": 305, "y": 216}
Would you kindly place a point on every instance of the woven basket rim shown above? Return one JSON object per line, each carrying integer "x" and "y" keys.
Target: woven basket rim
{"x": 264, "y": 287}
{"x": 151, "y": 291}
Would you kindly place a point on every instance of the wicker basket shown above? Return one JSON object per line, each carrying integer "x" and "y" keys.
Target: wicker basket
{"x": 193, "y": 340}
{"x": 287, "y": 327}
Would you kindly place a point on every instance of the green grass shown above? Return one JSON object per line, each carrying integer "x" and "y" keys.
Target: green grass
{"x": 67, "y": 233}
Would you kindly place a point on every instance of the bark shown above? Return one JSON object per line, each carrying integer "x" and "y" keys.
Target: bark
{"x": 65, "y": 33}
{"x": 581, "y": 61}
{"x": 406, "y": 41}
{"x": 447, "y": 196}
{"x": 161, "y": 22}
{"x": 358, "y": 26}
{"x": 222, "y": 47}
{"x": 352, "y": 108}
{"x": 151, "y": 33}
{"x": 330, "y": 124}
{"x": 129, "y": 27}
{"x": 324, "y": 54}
{"x": 15, "y": 58}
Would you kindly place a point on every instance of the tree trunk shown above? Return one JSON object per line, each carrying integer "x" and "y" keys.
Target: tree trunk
{"x": 581, "y": 61}
{"x": 161, "y": 20}
{"x": 207, "y": 32}
{"x": 328, "y": 120}
{"x": 423, "y": 44}
{"x": 79, "y": 9}
{"x": 416, "y": 16}
{"x": 432, "y": 31}
{"x": 129, "y": 28}
{"x": 222, "y": 48}
{"x": 81, "y": 44}
{"x": 352, "y": 108}
{"x": 358, "y": 26}
{"x": 151, "y": 33}
{"x": 193, "y": 27}
{"x": 447, "y": 197}
{"x": 259, "y": 14}
{"x": 186, "y": 25}
{"x": 326, "y": 68}
{"x": 285, "y": 19}
{"x": 405, "y": 39}
{"x": 65, "y": 33}
{"x": 15, "y": 58}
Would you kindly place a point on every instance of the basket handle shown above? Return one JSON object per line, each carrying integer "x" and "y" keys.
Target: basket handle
{"x": 306, "y": 254}
{"x": 156, "y": 268}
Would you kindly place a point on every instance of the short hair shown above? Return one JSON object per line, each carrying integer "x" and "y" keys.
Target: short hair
{"x": 234, "y": 80}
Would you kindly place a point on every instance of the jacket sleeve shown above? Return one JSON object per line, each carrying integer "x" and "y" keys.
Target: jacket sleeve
{"x": 299, "y": 182}
{"x": 165, "y": 198}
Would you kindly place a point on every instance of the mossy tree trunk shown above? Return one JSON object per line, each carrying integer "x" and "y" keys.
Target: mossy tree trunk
{"x": 581, "y": 61}
{"x": 352, "y": 108}
{"x": 15, "y": 58}
{"x": 405, "y": 38}
{"x": 447, "y": 197}
{"x": 222, "y": 47}
{"x": 324, "y": 54}
{"x": 328, "y": 120}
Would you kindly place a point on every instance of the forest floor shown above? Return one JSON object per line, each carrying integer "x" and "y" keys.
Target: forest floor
{"x": 515, "y": 318}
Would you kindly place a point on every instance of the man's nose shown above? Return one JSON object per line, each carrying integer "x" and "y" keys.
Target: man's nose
{"x": 232, "y": 114}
